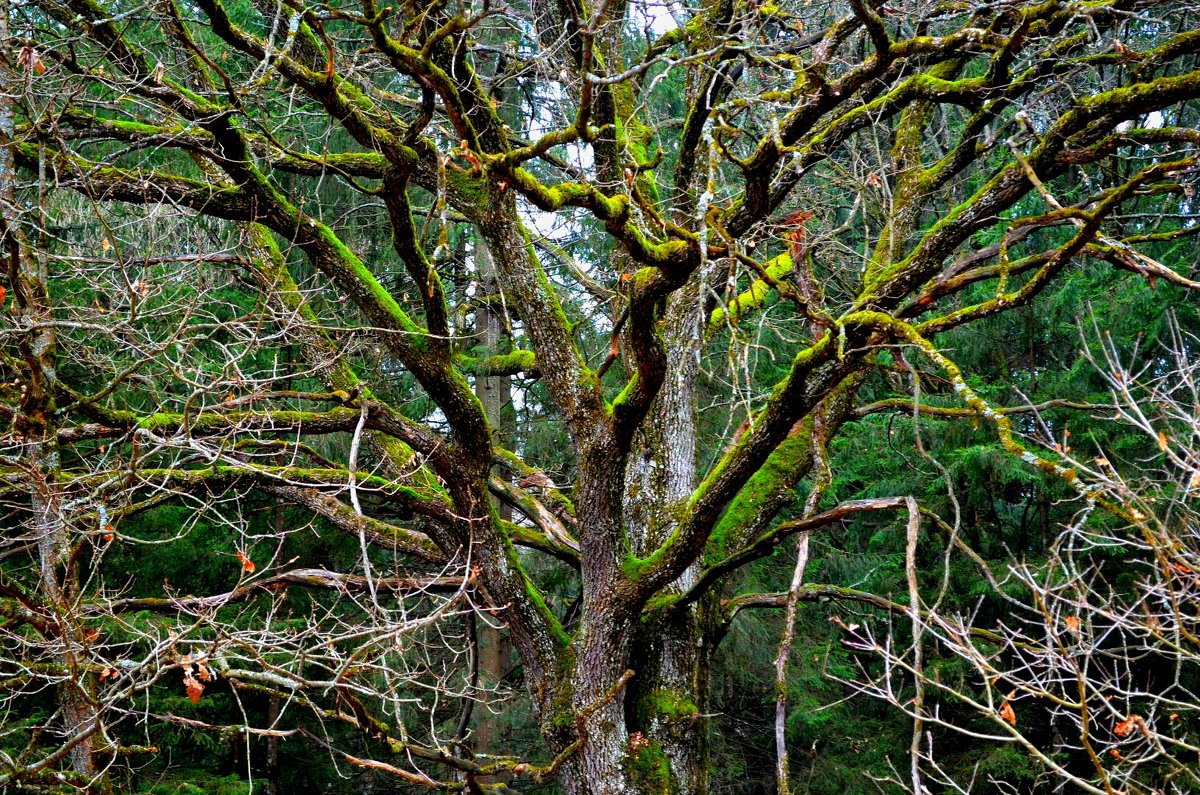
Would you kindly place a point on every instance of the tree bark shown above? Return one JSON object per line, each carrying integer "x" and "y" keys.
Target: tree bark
{"x": 669, "y": 695}
{"x": 495, "y": 392}
{"x": 36, "y": 428}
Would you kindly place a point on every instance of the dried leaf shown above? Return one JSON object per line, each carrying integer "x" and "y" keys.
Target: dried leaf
{"x": 29, "y": 58}
{"x": 247, "y": 564}
{"x": 202, "y": 672}
{"x": 1007, "y": 714}
{"x": 105, "y": 245}
{"x": 193, "y": 686}
{"x": 1072, "y": 623}
{"x": 1126, "y": 727}
{"x": 1162, "y": 441}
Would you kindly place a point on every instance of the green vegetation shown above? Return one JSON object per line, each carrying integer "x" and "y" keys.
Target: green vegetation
{"x": 599, "y": 397}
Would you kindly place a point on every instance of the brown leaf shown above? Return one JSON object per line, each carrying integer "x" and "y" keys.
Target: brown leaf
{"x": 193, "y": 686}
{"x": 1007, "y": 714}
{"x": 29, "y": 58}
{"x": 202, "y": 672}
{"x": 1126, "y": 727}
{"x": 1072, "y": 623}
{"x": 1162, "y": 441}
{"x": 247, "y": 564}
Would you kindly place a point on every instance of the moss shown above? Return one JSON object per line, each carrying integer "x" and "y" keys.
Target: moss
{"x": 539, "y": 603}
{"x": 561, "y": 713}
{"x": 648, "y": 767}
{"x": 753, "y": 297}
{"x": 660, "y": 603}
{"x": 666, "y": 706}
{"x": 779, "y": 472}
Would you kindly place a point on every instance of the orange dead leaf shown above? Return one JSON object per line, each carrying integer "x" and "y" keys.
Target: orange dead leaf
{"x": 1006, "y": 710}
{"x": 247, "y": 564}
{"x": 203, "y": 673}
{"x": 192, "y": 685}
{"x": 105, "y": 245}
{"x": 1115, "y": 754}
{"x": 1126, "y": 727}
{"x": 798, "y": 236}
{"x": 470, "y": 157}
{"x": 1162, "y": 441}
{"x": 1072, "y": 623}
{"x": 29, "y": 58}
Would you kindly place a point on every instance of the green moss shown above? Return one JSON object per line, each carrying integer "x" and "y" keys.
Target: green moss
{"x": 561, "y": 717}
{"x": 753, "y": 297}
{"x": 666, "y": 706}
{"x": 660, "y": 603}
{"x": 648, "y": 767}
{"x": 539, "y": 603}
{"x": 780, "y": 472}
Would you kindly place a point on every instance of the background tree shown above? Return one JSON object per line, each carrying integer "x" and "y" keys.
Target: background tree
{"x": 274, "y": 267}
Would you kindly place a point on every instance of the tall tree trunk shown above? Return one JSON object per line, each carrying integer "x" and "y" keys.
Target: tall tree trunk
{"x": 668, "y": 697}
{"x": 35, "y": 426}
{"x": 495, "y": 392}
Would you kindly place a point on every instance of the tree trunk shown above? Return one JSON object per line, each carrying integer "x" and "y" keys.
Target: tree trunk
{"x": 35, "y": 426}
{"x": 495, "y": 392}
{"x": 669, "y": 695}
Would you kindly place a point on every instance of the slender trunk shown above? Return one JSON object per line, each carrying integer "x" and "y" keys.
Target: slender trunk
{"x": 35, "y": 426}
{"x": 495, "y": 392}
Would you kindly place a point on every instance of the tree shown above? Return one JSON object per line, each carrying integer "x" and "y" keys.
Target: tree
{"x": 1093, "y": 671}
{"x": 251, "y": 252}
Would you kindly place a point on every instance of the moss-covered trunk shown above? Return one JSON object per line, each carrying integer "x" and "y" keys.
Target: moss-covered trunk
{"x": 668, "y": 696}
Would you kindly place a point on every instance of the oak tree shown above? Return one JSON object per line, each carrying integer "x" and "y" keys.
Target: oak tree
{"x": 552, "y": 310}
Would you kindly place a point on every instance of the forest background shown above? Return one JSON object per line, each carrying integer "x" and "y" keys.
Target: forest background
{"x": 599, "y": 397}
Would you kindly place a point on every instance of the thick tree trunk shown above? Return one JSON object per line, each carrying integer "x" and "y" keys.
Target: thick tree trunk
{"x": 668, "y": 697}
